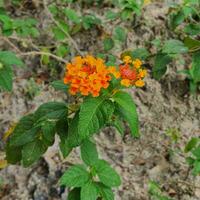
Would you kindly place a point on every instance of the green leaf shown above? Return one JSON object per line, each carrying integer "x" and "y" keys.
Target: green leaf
{"x": 174, "y": 47}
{"x": 191, "y": 144}
{"x": 196, "y": 169}
{"x": 89, "y": 191}
{"x": 108, "y": 44}
{"x": 140, "y": 53}
{"x": 120, "y": 34}
{"x": 62, "y": 131}
{"x": 89, "y": 21}
{"x": 111, "y": 15}
{"x": 74, "y": 194}
{"x": 48, "y": 129}
{"x": 37, "y": 131}
{"x": 22, "y": 133}
{"x": 89, "y": 152}
{"x": 11, "y": 157}
{"x": 9, "y": 58}
{"x": 94, "y": 113}
{"x": 72, "y": 15}
{"x": 177, "y": 18}
{"x": 126, "y": 14}
{"x": 106, "y": 174}
{"x": 196, "y": 152}
{"x": 6, "y": 75}
{"x": 190, "y": 160}
{"x": 127, "y": 110}
{"x": 191, "y": 43}
{"x": 160, "y": 65}
{"x": 195, "y": 70}
{"x": 31, "y": 152}
{"x": 62, "y": 50}
{"x": 192, "y": 29}
{"x": 59, "y": 85}
{"x": 52, "y": 110}
{"x": 24, "y": 138}
{"x": 58, "y": 34}
{"x": 73, "y": 139}
{"x": 105, "y": 192}
{"x": 118, "y": 124}
{"x": 76, "y": 176}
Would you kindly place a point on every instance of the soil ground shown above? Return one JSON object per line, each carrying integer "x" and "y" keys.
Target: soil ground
{"x": 164, "y": 108}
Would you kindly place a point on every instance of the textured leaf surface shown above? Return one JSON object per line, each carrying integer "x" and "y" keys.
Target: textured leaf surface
{"x": 94, "y": 114}
{"x": 89, "y": 152}
{"x": 76, "y": 176}
{"x": 31, "y": 152}
{"x": 89, "y": 191}
{"x": 160, "y": 65}
{"x": 127, "y": 110}
{"x": 174, "y": 47}
{"x": 107, "y": 175}
{"x": 105, "y": 192}
{"x": 6, "y": 75}
{"x": 9, "y": 58}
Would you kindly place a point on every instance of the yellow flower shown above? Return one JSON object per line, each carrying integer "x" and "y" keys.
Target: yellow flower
{"x": 127, "y": 59}
{"x": 137, "y": 63}
{"x": 125, "y": 82}
{"x": 139, "y": 83}
{"x": 142, "y": 73}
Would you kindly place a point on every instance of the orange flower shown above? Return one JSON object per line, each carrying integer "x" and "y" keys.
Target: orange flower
{"x": 131, "y": 72}
{"x": 88, "y": 75}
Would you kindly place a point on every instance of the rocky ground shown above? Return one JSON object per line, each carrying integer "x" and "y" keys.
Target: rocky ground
{"x": 164, "y": 108}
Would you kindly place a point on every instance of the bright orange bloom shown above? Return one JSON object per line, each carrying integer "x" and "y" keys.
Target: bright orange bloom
{"x": 131, "y": 72}
{"x": 88, "y": 75}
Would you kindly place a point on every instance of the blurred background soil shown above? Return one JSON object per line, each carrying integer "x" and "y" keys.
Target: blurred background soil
{"x": 165, "y": 108}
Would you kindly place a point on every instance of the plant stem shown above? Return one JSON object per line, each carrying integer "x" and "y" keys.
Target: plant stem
{"x": 43, "y": 53}
{"x": 61, "y": 28}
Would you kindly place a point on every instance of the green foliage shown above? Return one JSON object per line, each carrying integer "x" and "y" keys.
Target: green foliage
{"x": 129, "y": 7}
{"x": 174, "y": 47}
{"x": 35, "y": 130}
{"x": 160, "y": 65}
{"x": 105, "y": 192}
{"x": 89, "y": 191}
{"x": 120, "y": 34}
{"x": 193, "y": 73}
{"x": 59, "y": 85}
{"x": 74, "y": 194}
{"x": 106, "y": 174}
{"x": 184, "y": 12}
{"x": 7, "y": 61}
{"x": 108, "y": 44}
{"x": 22, "y": 27}
{"x": 140, "y": 53}
{"x": 94, "y": 113}
{"x": 76, "y": 176}
{"x": 193, "y": 149}
{"x": 126, "y": 109}
{"x": 156, "y": 192}
{"x": 89, "y": 153}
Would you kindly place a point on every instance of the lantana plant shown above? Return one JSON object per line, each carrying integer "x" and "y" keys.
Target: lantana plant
{"x": 100, "y": 102}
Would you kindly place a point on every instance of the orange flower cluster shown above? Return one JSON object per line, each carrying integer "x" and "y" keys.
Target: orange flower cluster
{"x": 131, "y": 72}
{"x": 88, "y": 75}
